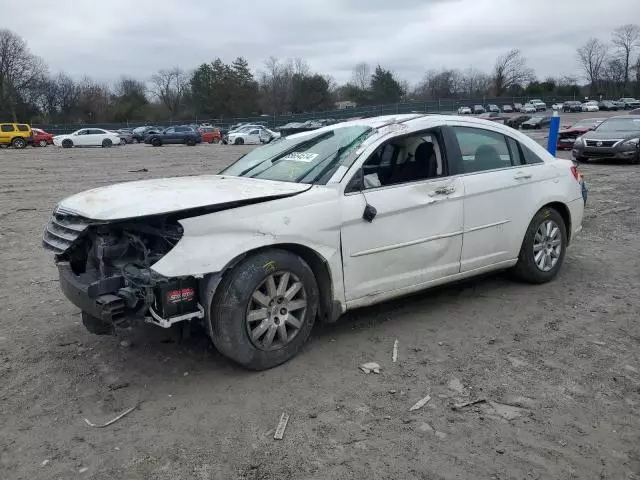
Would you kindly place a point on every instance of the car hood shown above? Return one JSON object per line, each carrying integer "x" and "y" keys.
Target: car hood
{"x": 573, "y": 131}
{"x": 609, "y": 135}
{"x": 167, "y": 195}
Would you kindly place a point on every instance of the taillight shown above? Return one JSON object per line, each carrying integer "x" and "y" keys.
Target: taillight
{"x": 576, "y": 174}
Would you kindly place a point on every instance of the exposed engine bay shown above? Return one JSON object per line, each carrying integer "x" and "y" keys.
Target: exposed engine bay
{"x": 109, "y": 264}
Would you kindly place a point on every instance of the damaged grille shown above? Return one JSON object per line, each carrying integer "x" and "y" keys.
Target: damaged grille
{"x": 62, "y": 230}
{"x": 601, "y": 143}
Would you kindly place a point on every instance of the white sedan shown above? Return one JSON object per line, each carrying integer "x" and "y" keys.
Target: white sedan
{"x": 251, "y": 136}
{"x": 316, "y": 224}
{"x": 88, "y": 137}
{"x": 590, "y": 107}
{"x": 464, "y": 111}
{"x": 529, "y": 108}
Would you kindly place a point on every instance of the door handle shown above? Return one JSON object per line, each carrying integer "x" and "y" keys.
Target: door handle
{"x": 443, "y": 191}
{"x": 522, "y": 176}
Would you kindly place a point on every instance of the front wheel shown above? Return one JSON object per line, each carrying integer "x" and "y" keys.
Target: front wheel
{"x": 239, "y": 141}
{"x": 191, "y": 142}
{"x": 19, "y": 143}
{"x": 543, "y": 248}
{"x": 264, "y": 309}
{"x": 156, "y": 142}
{"x": 67, "y": 143}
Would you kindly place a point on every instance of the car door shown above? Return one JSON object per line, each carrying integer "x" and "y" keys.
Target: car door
{"x": 81, "y": 138}
{"x": 6, "y": 133}
{"x": 253, "y": 137}
{"x": 498, "y": 197}
{"x": 169, "y": 135}
{"x": 96, "y": 136}
{"x": 400, "y": 234}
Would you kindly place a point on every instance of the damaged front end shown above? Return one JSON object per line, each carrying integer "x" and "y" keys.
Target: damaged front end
{"x": 105, "y": 270}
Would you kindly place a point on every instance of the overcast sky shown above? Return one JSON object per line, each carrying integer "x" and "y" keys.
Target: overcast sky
{"x": 137, "y": 37}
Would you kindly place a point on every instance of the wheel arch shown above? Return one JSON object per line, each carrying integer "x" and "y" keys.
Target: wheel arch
{"x": 328, "y": 309}
{"x": 564, "y": 212}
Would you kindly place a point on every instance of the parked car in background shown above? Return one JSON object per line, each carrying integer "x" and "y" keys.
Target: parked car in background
{"x": 288, "y": 235}
{"x": 87, "y": 137}
{"x": 210, "y": 134}
{"x": 635, "y": 111}
{"x": 616, "y": 137}
{"x": 607, "y": 105}
{"x": 16, "y": 135}
{"x": 507, "y": 108}
{"x": 41, "y": 138}
{"x": 568, "y": 135}
{"x": 572, "y": 106}
{"x": 494, "y": 116}
{"x": 477, "y": 109}
{"x": 181, "y": 134}
{"x": 515, "y": 122}
{"x": 126, "y": 135}
{"x": 556, "y": 106}
{"x": 518, "y": 107}
{"x": 139, "y": 133}
{"x": 464, "y": 111}
{"x": 539, "y": 104}
{"x": 590, "y": 106}
{"x": 493, "y": 108}
{"x": 529, "y": 108}
{"x": 252, "y": 136}
{"x": 537, "y": 122}
{"x": 618, "y": 104}
{"x": 629, "y": 103}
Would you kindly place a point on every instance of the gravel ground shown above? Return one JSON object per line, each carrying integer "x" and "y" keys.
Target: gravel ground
{"x": 558, "y": 364}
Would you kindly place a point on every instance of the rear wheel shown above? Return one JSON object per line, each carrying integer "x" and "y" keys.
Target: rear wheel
{"x": 67, "y": 143}
{"x": 543, "y": 248}
{"x": 190, "y": 142}
{"x": 43, "y": 143}
{"x": 156, "y": 142}
{"x": 107, "y": 143}
{"x": 19, "y": 143}
{"x": 264, "y": 309}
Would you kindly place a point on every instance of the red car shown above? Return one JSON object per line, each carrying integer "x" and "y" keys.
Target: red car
{"x": 567, "y": 137}
{"x": 41, "y": 138}
{"x": 210, "y": 134}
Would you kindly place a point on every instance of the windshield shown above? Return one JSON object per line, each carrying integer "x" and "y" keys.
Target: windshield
{"x": 619, "y": 124}
{"x": 311, "y": 158}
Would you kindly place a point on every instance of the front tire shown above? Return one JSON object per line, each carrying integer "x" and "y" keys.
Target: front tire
{"x": 191, "y": 142}
{"x": 19, "y": 143}
{"x": 543, "y": 249}
{"x": 264, "y": 309}
{"x": 239, "y": 141}
{"x": 156, "y": 142}
{"x": 67, "y": 143}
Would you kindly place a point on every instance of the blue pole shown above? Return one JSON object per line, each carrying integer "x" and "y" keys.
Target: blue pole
{"x": 554, "y": 128}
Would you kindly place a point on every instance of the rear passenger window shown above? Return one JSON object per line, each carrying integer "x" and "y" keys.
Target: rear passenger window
{"x": 483, "y": 150}
{"x": 6, "y": 128}
{"x": 516, "y": 153}
{"x": 23, "y": 128}
{"x": 530, "y": 157}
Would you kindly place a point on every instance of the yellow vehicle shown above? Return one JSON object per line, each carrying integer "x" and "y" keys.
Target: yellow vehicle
{"x": 17, "y": 135}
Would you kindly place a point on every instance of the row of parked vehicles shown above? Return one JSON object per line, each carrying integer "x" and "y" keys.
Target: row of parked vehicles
{"x": 534, "y": 105}
{"x": 537, "y": 105}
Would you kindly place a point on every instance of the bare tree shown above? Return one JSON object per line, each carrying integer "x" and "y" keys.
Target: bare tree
{"x": 626, "y": 38}
{"x": 276, "y": 84}
{"x": 510, "y": 70}
{"x": 591, "y": 58}
{"x": 361, "y": 76}
{"x": 68, "y": 94}
{"x": 170, "y": 86}
{"x": 20, "y": 70}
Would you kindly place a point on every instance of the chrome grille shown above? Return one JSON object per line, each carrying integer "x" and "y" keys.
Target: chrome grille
{"x": 62, "y": 230}
{"x": 601, "y": 143}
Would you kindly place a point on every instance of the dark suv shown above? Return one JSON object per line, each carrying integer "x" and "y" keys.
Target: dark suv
{"x": 180, "y": 134}
{"x": 572, "y": 106}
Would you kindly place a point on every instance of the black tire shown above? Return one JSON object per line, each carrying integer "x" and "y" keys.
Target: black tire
{"x": 526, "y": 269}
{"x": 43, "y": 143}
{"x": 18, "y": 143}
{"x": 66, "y": 143}
{"x": 156, "y": 142}
{"x": 239, "y": 141}
{"x": 95, "y": 325}
{"x": 107, "y": 143}
{"x": 191, "y": 142}
{"x": 228, "y": 309}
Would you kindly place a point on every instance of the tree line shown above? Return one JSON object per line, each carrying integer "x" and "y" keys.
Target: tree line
{"x": 28, "y": 92}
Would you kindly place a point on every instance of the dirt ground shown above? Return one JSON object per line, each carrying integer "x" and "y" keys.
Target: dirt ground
{"x": 558, "y": 364}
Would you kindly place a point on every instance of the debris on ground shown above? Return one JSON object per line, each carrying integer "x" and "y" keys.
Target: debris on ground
{"x": 126, "y": 412}
{"x": 282, "y": 425}
{"x": 420, "y": 403}
{"x": 370, "y": 367}
{"x": 44, "y": 463}
{"x": 125, "y": 343}
{"x": 506, "y": 411}
{"x": 456, "y": 386}
{"x": 459, "y": 406}
{"x": 83, "y": 469}
{"x": 118, "y": 385}
{"x": 394, "y": 357}
{"x": 140, "y": 170}
{"x": 500, "y": 450}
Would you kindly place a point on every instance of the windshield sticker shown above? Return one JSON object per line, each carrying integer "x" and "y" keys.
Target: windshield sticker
{"x": 300, "y": 157}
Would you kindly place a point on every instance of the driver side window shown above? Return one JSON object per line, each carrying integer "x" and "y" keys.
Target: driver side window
{"x": 405, "y": 159}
